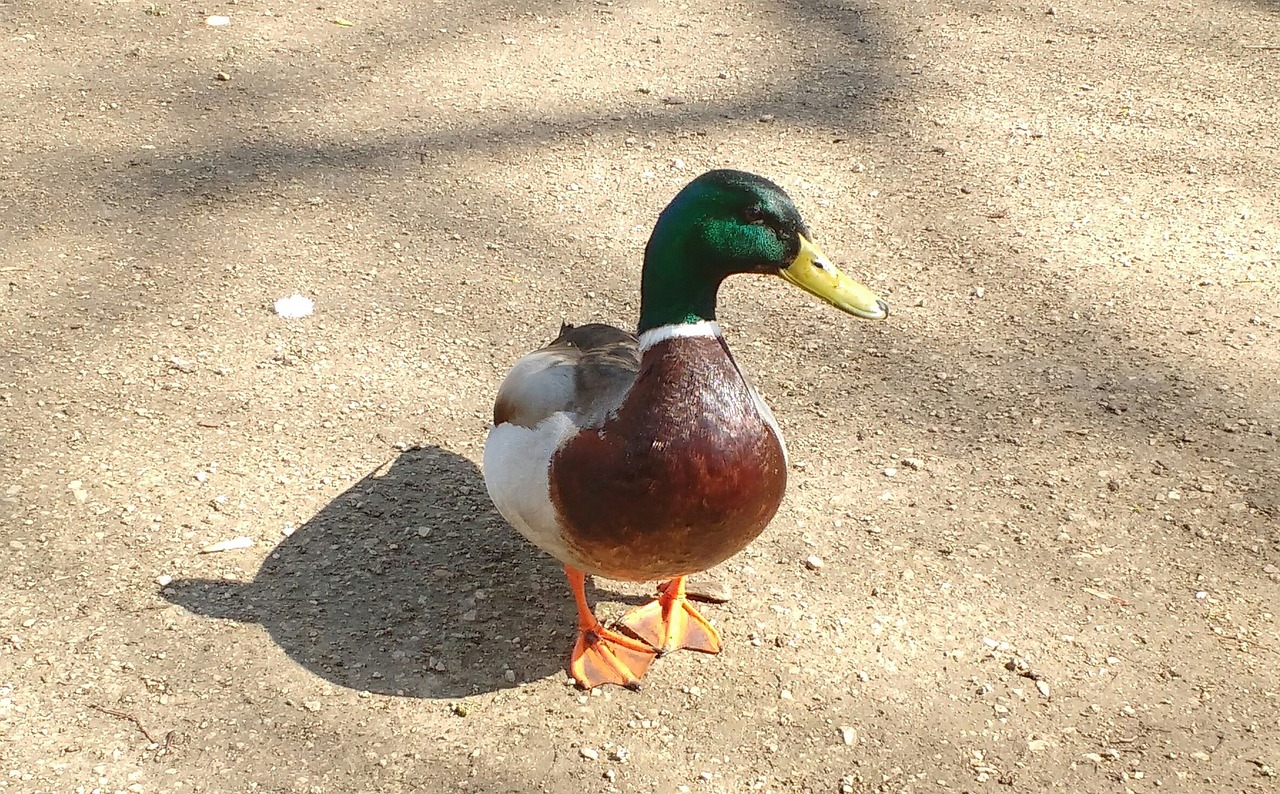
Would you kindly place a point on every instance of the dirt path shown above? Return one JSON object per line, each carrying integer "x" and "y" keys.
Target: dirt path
{"x": 1046, "y": 493}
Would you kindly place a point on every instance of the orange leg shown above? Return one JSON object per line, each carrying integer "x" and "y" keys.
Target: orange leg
{"x": 671, "y": 623}
{"x": 603, "y": 656}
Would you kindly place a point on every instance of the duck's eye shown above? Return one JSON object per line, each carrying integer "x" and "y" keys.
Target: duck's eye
{"x": 753, "y": 215}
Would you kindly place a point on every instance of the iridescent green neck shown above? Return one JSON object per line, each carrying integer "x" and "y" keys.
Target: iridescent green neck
{"x": 671, "y": 292}
{"x": 686, "y": 259}
{"x": 714, "y": 227}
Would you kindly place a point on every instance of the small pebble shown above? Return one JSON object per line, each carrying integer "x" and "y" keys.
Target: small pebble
{"x": 164, "y": 580}
{"x": 707, "y": 588}
{"x": 1043, "y": 687}
{"x": 228, "y": 545}
{"x": 589, "y": 753}
{"x": 217, "y": 21}
{"x": 295, "y": 306}
{"x": 891, "y": 472}
{"x": 222, "y": 77}
{"x": 312, "y": 705}
{"x": 848, "y": 735}
{"x": 813, "y": 562}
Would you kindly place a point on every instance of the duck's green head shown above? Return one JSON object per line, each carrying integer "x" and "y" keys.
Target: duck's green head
{"x": 726, "y": 222}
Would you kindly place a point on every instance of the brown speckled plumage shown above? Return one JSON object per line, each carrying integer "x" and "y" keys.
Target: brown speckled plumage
{"x": 684, "y": 475}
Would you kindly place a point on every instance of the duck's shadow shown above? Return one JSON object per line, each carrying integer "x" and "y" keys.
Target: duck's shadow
{"x": 408, "y": 583}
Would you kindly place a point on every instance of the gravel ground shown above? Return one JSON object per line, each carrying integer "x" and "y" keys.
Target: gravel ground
{"x": 1032, "y": 539}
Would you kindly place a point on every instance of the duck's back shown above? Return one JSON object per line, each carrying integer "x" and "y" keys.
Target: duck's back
{"x": 585, "y": 371}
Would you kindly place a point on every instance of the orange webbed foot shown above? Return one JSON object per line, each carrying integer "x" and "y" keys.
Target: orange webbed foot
{"x": 603, "y": 656}
{"x": 671, "y": 623}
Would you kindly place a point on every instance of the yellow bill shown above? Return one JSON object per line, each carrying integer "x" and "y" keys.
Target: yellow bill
{"x": 812, "y": 272}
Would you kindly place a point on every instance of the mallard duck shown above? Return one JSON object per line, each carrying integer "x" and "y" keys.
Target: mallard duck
{"x": 650, "y": 456}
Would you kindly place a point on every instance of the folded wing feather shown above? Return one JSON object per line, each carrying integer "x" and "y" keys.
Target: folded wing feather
{"x": 586, "y": 371}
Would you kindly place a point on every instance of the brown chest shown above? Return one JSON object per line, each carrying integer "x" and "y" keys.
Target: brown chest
{"x": 683, "y": 476}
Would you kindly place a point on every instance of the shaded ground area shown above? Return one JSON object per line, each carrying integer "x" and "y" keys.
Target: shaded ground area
{"x": 385, "y": 576}
{"x": 1046, "y": 492}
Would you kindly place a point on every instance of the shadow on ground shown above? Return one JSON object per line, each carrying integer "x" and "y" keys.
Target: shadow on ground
{"x": 408, "y": 583}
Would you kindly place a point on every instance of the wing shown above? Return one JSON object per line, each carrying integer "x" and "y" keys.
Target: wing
{"x": 586, "y": 371}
